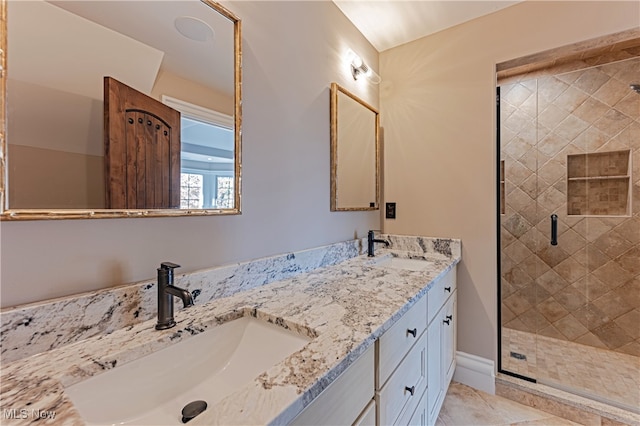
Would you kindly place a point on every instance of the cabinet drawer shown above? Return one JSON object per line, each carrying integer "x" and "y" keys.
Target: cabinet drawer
{"x": 418, "y": 417}
{"x": 403, "y": 390}
{"x": 368, "y": 416}
{"x": 440, "y": 292}
{"x": 343, "y": 401}
{"x": 398, "y": 340}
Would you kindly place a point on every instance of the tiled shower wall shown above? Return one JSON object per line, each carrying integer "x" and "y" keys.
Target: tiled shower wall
{"x": 587, "y": 288}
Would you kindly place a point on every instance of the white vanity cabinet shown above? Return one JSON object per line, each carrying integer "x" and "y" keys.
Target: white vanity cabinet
{"x": 441, "y": 341}
{"x": 413, "y": 374}
{"x": 403, "y": 378}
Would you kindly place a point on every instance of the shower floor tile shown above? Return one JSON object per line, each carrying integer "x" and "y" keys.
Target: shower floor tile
{"x": 605, "y": 375}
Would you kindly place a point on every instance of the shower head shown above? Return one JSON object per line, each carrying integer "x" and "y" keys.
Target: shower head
{"x": 635, "y": 87}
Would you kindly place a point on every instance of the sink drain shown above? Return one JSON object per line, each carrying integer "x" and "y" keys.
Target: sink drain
{"x": 192, "y": 409}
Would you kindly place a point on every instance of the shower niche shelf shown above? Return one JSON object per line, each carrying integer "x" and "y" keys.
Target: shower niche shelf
{"x": 598, "y": 184}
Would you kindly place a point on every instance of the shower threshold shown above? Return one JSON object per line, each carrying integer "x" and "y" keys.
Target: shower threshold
{"x": 568, "y": 405}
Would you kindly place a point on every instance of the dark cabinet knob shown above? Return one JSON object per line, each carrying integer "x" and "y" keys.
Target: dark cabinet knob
{"x": 446, "y": 321}
{"x": 413, "y": 332}
{"x": 411, "y": 389}
{"x": 447, "y": 289}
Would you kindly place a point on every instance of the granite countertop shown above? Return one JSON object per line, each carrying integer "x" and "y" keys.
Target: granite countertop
{"x": 344, "y": 308}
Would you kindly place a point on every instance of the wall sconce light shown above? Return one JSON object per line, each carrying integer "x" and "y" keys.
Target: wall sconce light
{"x": 359, "y": 68}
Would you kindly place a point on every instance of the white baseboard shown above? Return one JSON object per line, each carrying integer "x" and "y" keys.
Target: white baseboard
{"x": 474, "y": 371}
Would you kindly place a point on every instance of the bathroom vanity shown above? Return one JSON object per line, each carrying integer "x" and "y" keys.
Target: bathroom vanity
{"x": 401, "y": 379}
{"x": 379, "y": 349}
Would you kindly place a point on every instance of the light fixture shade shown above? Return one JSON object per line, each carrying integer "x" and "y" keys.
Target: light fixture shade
{"x": 374, "y": 77}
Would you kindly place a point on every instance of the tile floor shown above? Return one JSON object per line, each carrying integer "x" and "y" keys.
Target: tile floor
{"x": 606, "y": 375}
{"x": 465, "y": 406}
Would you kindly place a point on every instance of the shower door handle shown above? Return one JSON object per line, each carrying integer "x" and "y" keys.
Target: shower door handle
{"x": 554, "y": 229}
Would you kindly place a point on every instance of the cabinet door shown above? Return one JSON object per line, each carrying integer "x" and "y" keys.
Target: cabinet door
{"x": 142, "y": 150}
{"x": 419, "y": 417}
{"x": 448, "y": 340}
{"x": 343, "y": 401}
{"x": 434, "y": 367}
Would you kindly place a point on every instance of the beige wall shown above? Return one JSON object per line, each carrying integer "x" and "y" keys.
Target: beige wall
{"x": 46, "y": 178}
{"x": 438, "y": 114}
{"x": 292, "y": 52}
{"x": 174, "y": 86}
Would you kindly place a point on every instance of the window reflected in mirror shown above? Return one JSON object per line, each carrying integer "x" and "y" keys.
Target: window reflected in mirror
{"x": 207, "y": 157}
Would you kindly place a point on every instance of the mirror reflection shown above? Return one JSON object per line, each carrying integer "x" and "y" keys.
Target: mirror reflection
{"x": 354, "y": 152}
{"x": 122, "y": 105}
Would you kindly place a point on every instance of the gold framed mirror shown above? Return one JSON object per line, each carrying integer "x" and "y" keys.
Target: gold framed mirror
{"x": 74, "y": 146}
{"x": 355, "y": 156}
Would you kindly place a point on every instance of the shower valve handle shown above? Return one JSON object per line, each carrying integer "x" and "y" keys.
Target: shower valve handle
{"x": 554, "y": 229}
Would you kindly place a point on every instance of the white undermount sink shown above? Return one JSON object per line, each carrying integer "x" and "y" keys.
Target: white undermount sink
{"x": 401, "y": 263}
{"x": 154, "y": 389}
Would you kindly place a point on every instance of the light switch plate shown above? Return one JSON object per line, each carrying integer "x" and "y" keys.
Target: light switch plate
{"x": 390, "y": 210}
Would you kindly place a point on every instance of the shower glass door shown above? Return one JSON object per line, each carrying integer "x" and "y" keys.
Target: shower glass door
{"x": 570, "y": 231}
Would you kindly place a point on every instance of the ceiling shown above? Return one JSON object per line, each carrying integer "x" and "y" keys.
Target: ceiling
{"x": 390, "y": 23}
{"x": 153, "y": 23}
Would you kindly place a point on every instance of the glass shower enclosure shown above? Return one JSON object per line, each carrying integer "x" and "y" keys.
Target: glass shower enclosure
{"x": 569, "y": 230}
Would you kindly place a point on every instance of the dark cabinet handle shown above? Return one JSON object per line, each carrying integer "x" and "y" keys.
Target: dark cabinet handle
{"x": 554, "y": 229}
{"x": 447, "y": 321}
{"x": 447, "y": 289}
{"x": 449, "y": 317}
{"x": 411, "y": 389}
{"x": 413, "y": 332}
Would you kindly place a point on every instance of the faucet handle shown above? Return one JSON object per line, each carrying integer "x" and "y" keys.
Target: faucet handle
{"x": 169, "y": 265}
